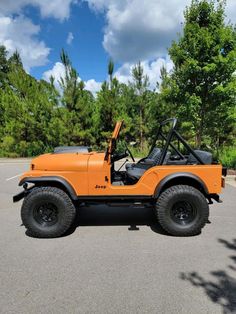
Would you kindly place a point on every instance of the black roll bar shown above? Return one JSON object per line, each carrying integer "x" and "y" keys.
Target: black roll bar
{"x": 168, "y": 143}
{"x": 173, "y": 120}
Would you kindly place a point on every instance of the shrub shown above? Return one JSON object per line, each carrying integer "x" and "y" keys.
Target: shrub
{"x": 227, "y": 157}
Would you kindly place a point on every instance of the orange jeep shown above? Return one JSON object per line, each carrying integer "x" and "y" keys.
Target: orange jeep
{"x": 176, "y": 180}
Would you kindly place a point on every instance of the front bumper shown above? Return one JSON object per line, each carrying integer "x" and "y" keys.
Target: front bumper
{"x": 19, "y": 196}
{"x": 22, "y": 194}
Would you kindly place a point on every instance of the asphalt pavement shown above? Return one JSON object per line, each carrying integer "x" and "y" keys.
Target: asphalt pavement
{"x": 118, "y": 260}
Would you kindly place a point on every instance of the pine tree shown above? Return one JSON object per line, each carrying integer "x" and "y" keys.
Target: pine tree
{"x": 140, "y": 85}
{"x": 203, "y": 86}
{"x": 110, "y": 71}
{"x": 79, "y": 104}
{"x": 4, "y": 67}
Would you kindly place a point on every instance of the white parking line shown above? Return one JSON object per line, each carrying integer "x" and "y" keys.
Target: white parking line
{"x": 18, "y": 175}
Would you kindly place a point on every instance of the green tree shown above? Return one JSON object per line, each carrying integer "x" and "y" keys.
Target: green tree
{"x": 4, "y": 68}
{"x": 203, "y": 81}
{"x": 161, "y": 106}
{"x": 140, "y": 85}
{"x": 15, "y": 60}
{"x": 78, "y": 103}
{"x": 109, "y": 106}
{"x": 27, "y": 107}
{"x": 110, "y": 71}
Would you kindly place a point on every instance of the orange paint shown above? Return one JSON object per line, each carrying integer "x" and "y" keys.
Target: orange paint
{"x": 90, "y": 173}
{"x": 85, "y": 171}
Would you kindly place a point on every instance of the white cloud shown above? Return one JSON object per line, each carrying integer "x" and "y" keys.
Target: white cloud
{"x": 93, "y": 86}
{"x": 19, "y": 34}
{"x": 58, "y": 72}
{"x": 151, "y": 69}
{"x": 70, "y": 38}
{"x": 59, "y": 9}
{"x": 137, "y": 29}
{"x": 230, "y": 11}
{"x": 123, "y": 74}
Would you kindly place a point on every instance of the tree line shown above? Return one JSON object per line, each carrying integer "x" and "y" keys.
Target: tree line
{"x": 200, "y": 91}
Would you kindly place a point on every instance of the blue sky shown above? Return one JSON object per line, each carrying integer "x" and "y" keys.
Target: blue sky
{"x": 92, "y": 31}
{"x": 85, "y": 50}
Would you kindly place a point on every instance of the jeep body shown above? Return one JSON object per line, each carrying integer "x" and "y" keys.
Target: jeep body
{"x": 88, "y": 176}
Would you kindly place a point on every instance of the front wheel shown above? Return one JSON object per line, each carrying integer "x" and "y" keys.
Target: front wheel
{"x": 182, "y": 210}
{"x": 47, "y": 212}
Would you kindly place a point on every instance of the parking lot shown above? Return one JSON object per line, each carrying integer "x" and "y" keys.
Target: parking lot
{"x": 118, "y": 260}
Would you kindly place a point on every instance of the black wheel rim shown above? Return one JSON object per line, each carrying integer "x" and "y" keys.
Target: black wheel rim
{"x": 183, "y": 213}
{"x": 46, "y": 214}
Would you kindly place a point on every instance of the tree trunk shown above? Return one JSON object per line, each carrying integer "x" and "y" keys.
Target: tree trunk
{"x": 198, "y": 139}
{"x": 141, "y": 128}
{"x": 200, "y": 127}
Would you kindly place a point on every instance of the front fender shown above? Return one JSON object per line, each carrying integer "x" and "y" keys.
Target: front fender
{"x": 45, "y": 181}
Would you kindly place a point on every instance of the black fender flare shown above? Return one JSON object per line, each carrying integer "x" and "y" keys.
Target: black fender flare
{"x": 58, "y": 181}
{"x": 180, "y": 175}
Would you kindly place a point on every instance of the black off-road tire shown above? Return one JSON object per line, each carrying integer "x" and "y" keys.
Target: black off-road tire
{"x": 61, "y": 214}
{"x": 173, "y": 204}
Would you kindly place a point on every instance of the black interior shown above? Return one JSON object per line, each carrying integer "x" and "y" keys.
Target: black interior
{"x": 162, "y": 152}
{"x": 135, "y": 171}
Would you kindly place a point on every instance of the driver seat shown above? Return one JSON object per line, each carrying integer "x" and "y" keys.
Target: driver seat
{"x": 135, "y": 171}
{"x": 150, "y": 159}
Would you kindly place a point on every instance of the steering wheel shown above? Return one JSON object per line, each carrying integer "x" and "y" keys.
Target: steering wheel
{"x": 130, "y": 154}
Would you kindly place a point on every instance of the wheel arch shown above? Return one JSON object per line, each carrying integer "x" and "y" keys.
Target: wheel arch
{"x": 181, "y": 178}
{"x": 53, "y": 181}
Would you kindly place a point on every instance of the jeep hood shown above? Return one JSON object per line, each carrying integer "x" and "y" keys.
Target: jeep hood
{"x": 62, "y": 162}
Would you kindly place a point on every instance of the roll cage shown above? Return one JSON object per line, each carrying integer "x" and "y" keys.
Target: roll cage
{"x": 167, "y": 141}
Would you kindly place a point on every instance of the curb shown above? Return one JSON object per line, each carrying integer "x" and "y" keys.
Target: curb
{"x": 230, "y": 177}
{"x": 14, "y": 160}
{"x": 231, "y": 180}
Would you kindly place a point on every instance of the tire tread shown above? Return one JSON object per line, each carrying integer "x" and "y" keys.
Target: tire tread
{"x": 161, "y": 210}
{"x": 54, "y": 193}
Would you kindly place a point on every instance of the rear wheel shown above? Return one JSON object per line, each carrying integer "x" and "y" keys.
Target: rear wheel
{"x": 182, "y": 210}
{"x": 47, "y": 212}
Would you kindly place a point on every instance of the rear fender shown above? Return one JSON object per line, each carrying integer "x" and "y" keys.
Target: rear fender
{"x": 181, "y": 178}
